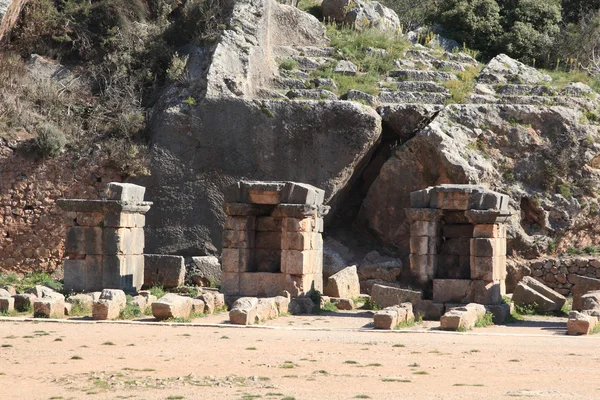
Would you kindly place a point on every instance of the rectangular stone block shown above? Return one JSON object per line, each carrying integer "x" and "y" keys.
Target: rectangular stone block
{"x": 300, "y": 193}
{"x": 165, "y": 270}
{"x": 302, "y": 241}
{"x": 238, "y": 239}
{"x": 425, "y": 228}
{"x": 267, "y": 260}
{"x": 487, "y": 293}
{"x": 453, "y": 267}
{"x": 300, "y": 224}
{"x": 261, "y": 284}
{"x": 263, "y": 196}
{"x": 452, "y": 290}
{"x": 83, "y": 240}
{"x": 124, "y": 220}
{"x": 456, "y": 246}
{"x": 91, "y": 219}
{"x": 453, "y": 200}
{"x": 7, "y": 304}
{"x": 123, "y": 241}
{"x": 268, "y": 240}
{"x": 125, "y": 272}
{"x": 488, "y": 268}
{"x": 423, "y": 267}
{"x": 457, "y": 230}
{"x": 75, "y": 276}
{"x": 422, "y": 245}
{"x": 297, "y": 262}
{"x": 94, "y": 273}
{"x": 240, "y": 223}
{"x": 126, "y": 192}
{"x": 268, "y": 224}
{"x": 238, "y": 260}
{"x": 299, "y": 285}
{"x": 484, "y": 247}
{"x": 495, "y": 231}
{"x": 230, "y": 283}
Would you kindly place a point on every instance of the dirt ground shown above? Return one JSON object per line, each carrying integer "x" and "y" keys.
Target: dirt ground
{"x": 327, "y": 356}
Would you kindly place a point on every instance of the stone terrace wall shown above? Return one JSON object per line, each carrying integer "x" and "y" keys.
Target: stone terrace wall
{"x": 558, "y": 272}
{"x": 32, "y": 229}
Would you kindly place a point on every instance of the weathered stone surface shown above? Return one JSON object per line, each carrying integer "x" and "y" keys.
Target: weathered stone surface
{"x": 266, "y": 309}
{"x": 110, "y": 304}
{"x": 83, "y": 300}
{"x": 24, "y": 301}
{"x": 244, "y": 311}
{"x": 198, "y": 306}
{"x": 429, "y": 310}
{"x": 283, "y": 303}
{"x": 464, "y": 291}
{"x": 4, "y": 293}
{"x": 580, "y": 324}
{"x": 462, "y": 318}
{"x": 7, "y": 304}
{"x": 582, "y": 286}
{"x": 503, "y": 69}
{"x": 140, "y": 301}
{"x": 343, "y": 284}
{"x": 209, "y": 302}
{"x": 499, "y": 311}
{"x": 49, "y": 307}
{"x": 530, "y": 291}
{"x": 390, "y": 317}
{"x": 376, "y": 266}
{"x": 7, "y": 288}
{"x": 165, "y": 270}
{"x": 203, "y": 271}
{"x": 591, "y": 300}
{"x": 39, "y": 291}
{"x": 362, "y": 14}
{"x": 301, "y": 305}
{"x": 342, "y": 304}
{"x": 172, "y": 305}
{"x": 386, "y": 296}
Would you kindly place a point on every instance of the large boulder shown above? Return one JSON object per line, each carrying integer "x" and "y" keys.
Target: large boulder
{"x": 503, "y": 69}
{"x": 343, "y": 284}
{"x": 530, "y": 292}
{"x": 361, "y": 14}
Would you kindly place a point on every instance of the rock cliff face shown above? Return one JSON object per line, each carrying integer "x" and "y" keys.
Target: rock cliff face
{"x": 239, "y": 115}
{"x": 9, "y": 13}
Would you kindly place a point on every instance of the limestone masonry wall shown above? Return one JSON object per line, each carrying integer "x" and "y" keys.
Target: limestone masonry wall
{"x": 559, "y": 273}
{"x": 32, "y": 229}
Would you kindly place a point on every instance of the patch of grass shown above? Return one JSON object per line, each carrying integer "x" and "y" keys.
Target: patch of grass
{"x": 474, "y": 351}
{"x": 484, "y": 320}
{"x": 329, "y": 307}
{"x": 350, "y": 362}
{"x": 76, "y": 358}
{"x": 251, "y": 348}
{"x": 224, "y": 337}
{"x": 158, "y": 291}
{"x": 288, "y": 64}
{"x": 514, "y": 360}
{"x": 7, "y": 345}
{"x": 466, "y": 384}
{"x": 288, "y": 365}
{"x": 108, "y": 344}
{"x": 414, "y": 365}
{"x": 130, "y": 311}
{"x": 80, "y": 308}
{"x": 30, "y": 280}
{"x": 398, "y": 345}
{"x": 420, "y": 373}
{"x": 178, "y": 397}
{"x": 374, "y": 365}
{"x": 179, "y": 320}
{"x": 406, "y": 324}
{"x": 395, "y": 380}
{"x": 461, "y": 87}
{"x": 362, "y": 396}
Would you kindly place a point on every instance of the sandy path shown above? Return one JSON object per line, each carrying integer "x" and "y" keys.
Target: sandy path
{"x": 158, "y": 362}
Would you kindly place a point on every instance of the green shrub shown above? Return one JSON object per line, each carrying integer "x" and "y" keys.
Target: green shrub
{"x": 288, "y": 64}
{"x": 485, "y": 320}
{"x": 176, "y": 70}
{"x": 158, "y": 291}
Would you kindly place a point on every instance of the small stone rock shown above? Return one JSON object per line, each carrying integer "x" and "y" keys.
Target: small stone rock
{"x": 172, "y": 305}
{"x": 343, "y": 304}
{"x": 109, "y": 305}
{"x": 346, "y": 68}
{"x": 243, "y": 311}
{"x": 343, "y": 284}
{"x": 580, "y": 324}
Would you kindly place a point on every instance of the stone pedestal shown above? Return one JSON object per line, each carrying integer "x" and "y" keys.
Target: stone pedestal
{"x": 272, "y": 239}
{"x": 105, "y": 240}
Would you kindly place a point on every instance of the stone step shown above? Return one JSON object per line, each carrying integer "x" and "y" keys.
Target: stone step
{"x": 420, "y": 75}
{"x": 450, "y": 65}
{"x": 417, "y": 86}
{"x": 312, "y": 51}
{"x": 311, "y": 63}
{"x": 311, "y": 94}
{"x": 294, "y": 74}
{"x": 530, "y": 100}
{"x": 420, "y": 55}
{"x": 525, "y": 90}
{"x": 282, "y": 82}
{"x": 412, "y": 97}
{"x": 460, "y": 57}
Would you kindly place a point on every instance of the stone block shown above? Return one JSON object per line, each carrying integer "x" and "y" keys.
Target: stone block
{"x": 209, "y": 302}
{"x": 83, "y": 240}
{"x": 343, "y": 304}
{"x": 90, "y": 219}
{"x": 165, "y": 270}
{"x": 421, "y": 198}
{"x": 49, "y": 307}
{"x": 266, "y": 309}
{"x": 172, "y": 305}
{"x": 125, "y": 272}
{"x": 344, "y": 284}
{"x": 7, "y": 304}
{"x": 238, "y": 239}
{"x": 76, "y": 279}
{"x": 205, "y": 270}
{"x": 297, "y": 262}
{"x": 94, "y": 274}
{"x": 487, "y": 293}
{"x": 240, "y": 223}
{"x": 68, "y": 308}
{"x": 423, "y": 214}
{"x": 492, "y": 231}
{"x": 456, "y": 246}
{"x": 303, "y": 285}
{"x": 268, "y": 240}
{"x": 309, "y": 224}
{"x": 301, "y": 241}
{"x": 462, "y": 318}
{"x": 580, "y": 324}
{"x": 423, "y": 245}
{"x": 483, "y": 247}
{"x": 40, "y": 291}
{"x": 386, "y": 319}
{"x": 83, "y": 301}
{"x": 457, "y": 230}
{"x": 499, "y": 311}
{"x": 268, "y": 224}
{"x": 453, "y": 267}
{"x": 425, "y": 228}
{"x": 529, "y": 292}
{"x": 301, "y": 305}
{"x": 237, "y": 260}
{"x": 198, "y": 306}
{"x": 423, "y": 267}
{"x": 24, "y": 302}
{"x": 452, "y": 290}
{"x": 260, "y": 284}
{"x": 488, "y": 268}
{"x": 429, "y": 310}
{"x": 125, "y": 192}
{"x": 124, "y": 220}
{"x": 581, "y": 286}
{"x": 123, "y": 241}
{"x": 267, "y": 260}
{"x": 302, "y": 193}
{"x": 230, "y": 283}
{"x": 243, "y": 311}
{"x": 110, "y": 304}
{"x": 591, "y": 300}
{"x": 283, "y": 304}
{"x": 387, "y": 296}
{"x": 452, "y": 201}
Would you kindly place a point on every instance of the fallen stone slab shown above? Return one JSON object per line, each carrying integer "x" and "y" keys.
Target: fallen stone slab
{"x": 391, "y": 317}
{"x": 580, "y": 324}
{"x": 165, "y": 270}
{"x": 7, "y": 304}
{"x": 530, "y": 292}
{"x": 266, "y": 309}
{"x": 209, "y": 302}
{"x": 499, "y": 312}
{"x": 4, "y": 293}
{"x": 49, "y": 307}
{"x": 343, "y": 304}
{"x": 429, "y": 310}
{"x": 243, "y": 311}
{"x": 581, "y": 286}
{"x": 82, "y": 301}
{"x": 283, "y": 304}
{"x": 198, "y": 306}
{"x": 462, "y": 318}
{"x": 591, "y": 300}
{"x": 386, "y": 296}
{"x": 39, "y": 291}
{"x": 140, "y": 301}
{"x": 203, "y": 271}
{"x": 172, "y": 305}
{"x": 24, "y": 301}
{"x": 343, "y": 284}
{"x": 109, "y": 305}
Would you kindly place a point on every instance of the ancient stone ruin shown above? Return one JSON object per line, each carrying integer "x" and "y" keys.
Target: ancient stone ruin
{"x": 272, "y": 239}
{"x": 105, "y": 240}
{"x": 458, "y": 243}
